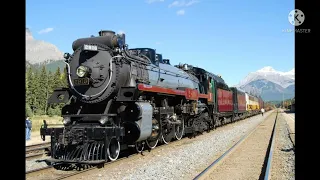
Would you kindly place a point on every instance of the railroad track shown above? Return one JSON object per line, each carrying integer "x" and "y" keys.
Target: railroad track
{"x": 265, "y": 172}
{"x": 58, "y": 174}
{"x": 36, "y": 150}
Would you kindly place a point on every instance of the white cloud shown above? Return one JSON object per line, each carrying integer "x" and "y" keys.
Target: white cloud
{"x": 183, "y": 3}
{"x": 153, "y": 1}
{"x": 175, "y": 3}
{"x": 121, "y": 32}
{"x": 180, "y": 12}
{"x": 191, "y": 2}
{"x": 47, "y": 30}
{"x": 158, "y": 43}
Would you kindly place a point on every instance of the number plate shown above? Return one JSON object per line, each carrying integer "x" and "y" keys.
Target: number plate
{"x": 81, "y": 81}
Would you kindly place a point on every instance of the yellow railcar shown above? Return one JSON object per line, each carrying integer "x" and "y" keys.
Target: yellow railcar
{"x": 252, "y": 105}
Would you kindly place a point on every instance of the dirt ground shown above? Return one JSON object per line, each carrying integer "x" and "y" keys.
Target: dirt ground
{"x": 36, "y": 139}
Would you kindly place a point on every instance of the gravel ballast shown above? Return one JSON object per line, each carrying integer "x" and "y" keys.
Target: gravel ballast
{"x": 32, "y": 164}
{"x": 283, "y": 166}
{"x": 181, "y": 160}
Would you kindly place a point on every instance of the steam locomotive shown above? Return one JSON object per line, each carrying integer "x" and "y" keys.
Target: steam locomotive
{"x": 120, "y": 98}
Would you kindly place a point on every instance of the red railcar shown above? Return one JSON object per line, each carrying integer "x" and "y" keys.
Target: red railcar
{"x": 225, "y": 101}
{"x": 241, "y": 101}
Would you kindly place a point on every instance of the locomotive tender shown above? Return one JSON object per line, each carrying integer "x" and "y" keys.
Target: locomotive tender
{"x": 120, "y": 98}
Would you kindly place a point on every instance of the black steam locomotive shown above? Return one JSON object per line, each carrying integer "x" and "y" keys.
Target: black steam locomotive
{"x": 120, "y": 98}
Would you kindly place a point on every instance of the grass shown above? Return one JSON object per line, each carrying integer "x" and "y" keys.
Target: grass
{"x": 37, "y": 121}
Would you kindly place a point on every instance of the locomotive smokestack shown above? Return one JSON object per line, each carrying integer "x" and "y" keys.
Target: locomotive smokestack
{"x": 106, "y": 33}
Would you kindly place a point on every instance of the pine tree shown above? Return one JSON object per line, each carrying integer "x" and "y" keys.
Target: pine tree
{"x": 64, "y": 78}
{"x": 40, "y": 85}
{"x": 57, "y": 83}
{"x": 51, "y": 86}
{"x": 36, "y": 93}
{"x": 29, "y": 84}
{"x": 31, "y": 92}
{"x": 43, "y": 89}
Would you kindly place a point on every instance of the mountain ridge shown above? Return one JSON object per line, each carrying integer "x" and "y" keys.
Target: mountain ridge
{"x": 269, "y": 83}
{"x": 38, "y": 51}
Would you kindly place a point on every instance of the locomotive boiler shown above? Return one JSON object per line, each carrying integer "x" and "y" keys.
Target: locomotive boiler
{"x": 120, "y": 98}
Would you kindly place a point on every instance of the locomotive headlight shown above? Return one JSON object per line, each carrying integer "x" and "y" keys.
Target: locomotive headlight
{"x": 66, "y": 120}
{"x": 82, "y": 71}
{"x": 103, "y": 120}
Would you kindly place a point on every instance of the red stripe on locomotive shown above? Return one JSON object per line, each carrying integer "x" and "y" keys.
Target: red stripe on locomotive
{"x": 149, "y": 88}
{"x": 225, "y": 102}
{"x": 191, "y": 94}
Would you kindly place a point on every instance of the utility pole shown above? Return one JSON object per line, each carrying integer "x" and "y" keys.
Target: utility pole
{"x": 283, "y": 100}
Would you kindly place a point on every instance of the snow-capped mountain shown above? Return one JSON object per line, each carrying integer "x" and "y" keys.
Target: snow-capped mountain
{"x": 284, "y": 79}
{"x": 269, "y": 83}
{"x": 38, "y": 51}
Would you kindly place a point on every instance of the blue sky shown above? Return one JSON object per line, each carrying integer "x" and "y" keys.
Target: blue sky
{"x": 226, "y": 37}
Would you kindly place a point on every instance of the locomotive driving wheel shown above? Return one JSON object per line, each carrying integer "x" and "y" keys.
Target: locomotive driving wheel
{"x": 167, "y": 133}
{"x": 139, "y": 146}
{"x": 113, "y": 149}
{"x": 154, "y": 139}
{"x": 179, "y": 130}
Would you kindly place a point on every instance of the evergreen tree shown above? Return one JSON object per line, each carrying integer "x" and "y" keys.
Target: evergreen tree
{"x": 40, "y": 84}
{"x": 57, "y": 83}
{"x": 29, "y": 82}
{"x": 51, "y": 110}
{"x": 36, "y": 93}
{"x": 43, "y": 90}
{"x": 64, "y": 78}
{"x": 31, "y": 97}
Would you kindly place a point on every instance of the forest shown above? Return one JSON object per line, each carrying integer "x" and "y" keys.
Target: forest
{"x": 40, "y": 84}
